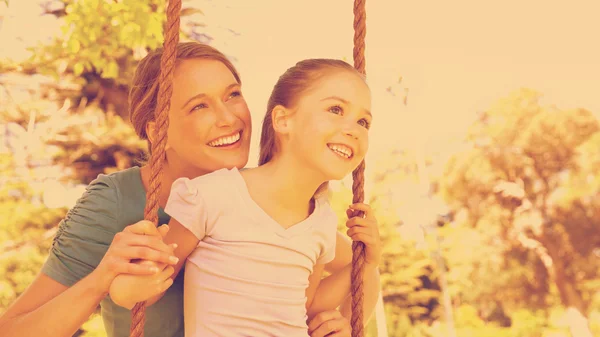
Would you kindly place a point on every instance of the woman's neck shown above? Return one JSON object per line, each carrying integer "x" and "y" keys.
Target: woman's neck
{"x": 171, "y": 171}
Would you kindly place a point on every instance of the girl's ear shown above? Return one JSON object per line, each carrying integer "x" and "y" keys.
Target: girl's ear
{"x": 280, "y": 117}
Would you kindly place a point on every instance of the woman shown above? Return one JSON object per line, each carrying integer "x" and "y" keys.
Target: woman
{"x": 209, "y": 129}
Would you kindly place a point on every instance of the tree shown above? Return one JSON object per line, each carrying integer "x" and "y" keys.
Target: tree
{"x": 102, "y": 42}
{"x": 409, "y": 277}
{"x": 530, "y": 179}
{"x": 49, "y": 151}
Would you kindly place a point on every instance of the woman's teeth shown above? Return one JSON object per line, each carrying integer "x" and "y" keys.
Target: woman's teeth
{"x": 223, "y": 141}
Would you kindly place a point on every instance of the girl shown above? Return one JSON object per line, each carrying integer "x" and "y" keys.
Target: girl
{"x": 104, "y": 231}
{"x": 256, "y": 241}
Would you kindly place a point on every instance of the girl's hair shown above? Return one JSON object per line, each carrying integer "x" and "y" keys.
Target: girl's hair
{"x": 295, "y": 82}
{"x": 143, "y": 95}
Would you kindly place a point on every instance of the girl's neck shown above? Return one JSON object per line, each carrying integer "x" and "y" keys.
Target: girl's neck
{"x": 286, "y": 181}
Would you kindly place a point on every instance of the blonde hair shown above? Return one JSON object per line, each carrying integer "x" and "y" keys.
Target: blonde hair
{"x": 143, "y": 95}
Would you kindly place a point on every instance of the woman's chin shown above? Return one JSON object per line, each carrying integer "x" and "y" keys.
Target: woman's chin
{"x": 230, "y": 164}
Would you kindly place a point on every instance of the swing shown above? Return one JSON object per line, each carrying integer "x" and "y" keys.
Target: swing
{"x": 138, "y": 313}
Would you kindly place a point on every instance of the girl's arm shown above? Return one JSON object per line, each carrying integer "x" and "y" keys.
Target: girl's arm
{"x": 127, "y": 290}
{"x": 334, "y": 291}
{"x": 342, "y": 265}
{"x": 188, "y": 225}
{"x": 313, "y": 284}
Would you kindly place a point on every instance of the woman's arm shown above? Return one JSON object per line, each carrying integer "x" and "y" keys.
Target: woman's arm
{"x": 127, "y": 290}
{"x": 190, "y": 220}
{"x": 49, "y": 308}
{"x": 52, "y": 309}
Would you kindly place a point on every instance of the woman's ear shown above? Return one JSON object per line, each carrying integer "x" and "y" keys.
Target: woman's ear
{"x": 280, "y": 117}
{"x": 150, "y": 131}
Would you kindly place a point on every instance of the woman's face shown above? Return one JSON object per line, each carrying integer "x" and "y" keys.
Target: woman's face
{"x": 209, "y": 120}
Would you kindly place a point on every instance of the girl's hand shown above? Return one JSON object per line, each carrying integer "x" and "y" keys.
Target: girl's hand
{"x": 127, "y": 290}
{"x": 329, "y": 323}
{"x": 366, "y": 230}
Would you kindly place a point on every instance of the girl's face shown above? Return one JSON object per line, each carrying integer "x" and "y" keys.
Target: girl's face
{"x": 209, "y": 121}
{"x": 329, "y": 129}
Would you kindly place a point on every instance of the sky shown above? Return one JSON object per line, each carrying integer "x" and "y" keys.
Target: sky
{"x": 454, "y": 58}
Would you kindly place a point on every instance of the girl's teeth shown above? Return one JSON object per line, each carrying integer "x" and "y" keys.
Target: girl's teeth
{"x": 341, "y": 150}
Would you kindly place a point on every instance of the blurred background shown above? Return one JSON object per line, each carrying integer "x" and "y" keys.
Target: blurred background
{"x": 484, "y": 166}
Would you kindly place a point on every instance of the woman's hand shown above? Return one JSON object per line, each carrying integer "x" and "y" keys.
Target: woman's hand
{"x": 140, "y": 241}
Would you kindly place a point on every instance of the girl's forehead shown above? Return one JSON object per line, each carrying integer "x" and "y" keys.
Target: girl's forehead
{"x": 343, "y": 85}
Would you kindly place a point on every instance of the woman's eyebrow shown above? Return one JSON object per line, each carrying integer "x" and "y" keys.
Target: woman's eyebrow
{"x": 200, "y": 95}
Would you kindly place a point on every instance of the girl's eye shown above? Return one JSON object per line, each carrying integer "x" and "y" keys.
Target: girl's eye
{"x": 365, "y": 123}
{"x": 336, "y": 109}
{"x": 235, "y": 94}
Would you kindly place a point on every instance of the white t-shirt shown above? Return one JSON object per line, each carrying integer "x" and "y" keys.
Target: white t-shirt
{"x": 248, "y": 275}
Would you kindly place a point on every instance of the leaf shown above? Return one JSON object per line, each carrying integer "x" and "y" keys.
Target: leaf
{"x": 111, "y": 70}
{"x": 190, "y": 11}
{"x": 74, "y": 45}
{"x": 78, "y": 69}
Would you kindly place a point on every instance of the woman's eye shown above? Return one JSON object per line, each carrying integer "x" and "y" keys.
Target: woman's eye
{"x": 199, "y": 106}
{"x": 235, "y": 94}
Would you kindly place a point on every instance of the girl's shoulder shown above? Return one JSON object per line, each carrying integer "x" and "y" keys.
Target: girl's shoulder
{"x": 209, "y": 180}
{"x": 212, "y": 185}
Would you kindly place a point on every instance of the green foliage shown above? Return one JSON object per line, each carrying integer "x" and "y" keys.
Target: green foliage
{"x": 107, "y": 38}
{"x": 94, "y": 327}
{"x": 25, "y": 231}
{"x": 526, "y": 192}
{"x": 103, "y": 37}
{"x": 48, "y": 152}
{"x": 409, "y": 281}
{"x": 528, "y": 179}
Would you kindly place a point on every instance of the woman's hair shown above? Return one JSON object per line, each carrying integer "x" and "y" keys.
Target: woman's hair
{"x": 295, "y": 82}
{"x": 143, "y": 95}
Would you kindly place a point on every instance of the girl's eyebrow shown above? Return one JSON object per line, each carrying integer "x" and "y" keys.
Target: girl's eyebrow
{"x": 200, "y": 95}
{"x": 337, "y": 98}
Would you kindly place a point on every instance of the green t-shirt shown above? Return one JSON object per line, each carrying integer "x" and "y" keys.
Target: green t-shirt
{"x": 111, "y": 203}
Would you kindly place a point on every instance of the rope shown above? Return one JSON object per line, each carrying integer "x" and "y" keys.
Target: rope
{"x": 358, "y": 179}
{"x": 158, "y": 147}
{"x": 167, "y": 64}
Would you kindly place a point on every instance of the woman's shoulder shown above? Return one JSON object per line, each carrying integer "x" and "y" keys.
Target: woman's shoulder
{"x": 128, "y": 178}
{"x": 107, "y": 192}
{"x": 127, "y": 181}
